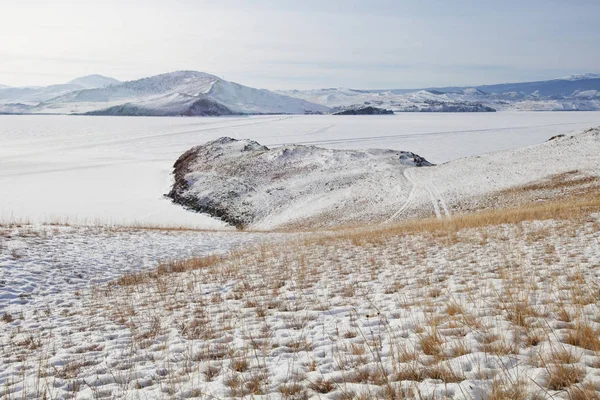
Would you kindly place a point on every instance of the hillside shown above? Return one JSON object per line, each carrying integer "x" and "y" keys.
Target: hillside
{"x": 495, "y": 305}
{"x": 248, "y": 185}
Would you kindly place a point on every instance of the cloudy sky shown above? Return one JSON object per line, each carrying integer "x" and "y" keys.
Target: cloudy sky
{"x": 281, "y": 44}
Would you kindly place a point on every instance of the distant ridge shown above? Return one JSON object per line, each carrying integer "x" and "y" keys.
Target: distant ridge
{"x": 572, "y": 93}
{"x": 94, "y": 81}
{"x": 198, "y": 93}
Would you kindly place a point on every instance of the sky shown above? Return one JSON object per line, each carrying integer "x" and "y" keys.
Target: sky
{"x": 281, "y": 44}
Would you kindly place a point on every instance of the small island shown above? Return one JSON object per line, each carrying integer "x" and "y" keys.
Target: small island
{"x": 365, "y": 111}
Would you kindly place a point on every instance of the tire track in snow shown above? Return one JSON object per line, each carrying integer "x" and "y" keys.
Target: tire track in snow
{"x": 111, "y": 142}
{"x": 316, "y": 131}
{"x": 421, "y": 134}
{"x": 434, "y": 202}
{"x": 439, "y": 199}
{"x": 410, "y": 197}
{"x": 440, "y": 207}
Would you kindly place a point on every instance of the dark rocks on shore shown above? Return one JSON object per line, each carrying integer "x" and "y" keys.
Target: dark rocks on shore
{"x": 199, "y": 108}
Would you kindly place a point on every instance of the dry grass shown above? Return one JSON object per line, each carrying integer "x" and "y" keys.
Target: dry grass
{"x": 179, "y": 266}
{"x": 584, "y": 392}
{"x": 572, "y": 207}
{"x": 502, "y": 390}
{"x": 566, "y": 181}
{"x": 562, "y": 376}
{"x": 584, "y": 335}
{"x": 322, "y": 386}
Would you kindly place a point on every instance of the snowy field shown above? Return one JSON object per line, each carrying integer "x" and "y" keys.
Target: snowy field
{"x": 49, "y": 264}
{"x": 111, "y": 170}
{"x": 501, "y": 312}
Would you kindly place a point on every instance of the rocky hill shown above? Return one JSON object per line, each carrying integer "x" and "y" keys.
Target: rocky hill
{"x": 245, "y": 183}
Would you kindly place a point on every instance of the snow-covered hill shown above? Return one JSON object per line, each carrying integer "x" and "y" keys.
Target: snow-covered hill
{"x": 178, "y": 93}
{"x": 244, "y": 183}
{"x": 247, "y": 184}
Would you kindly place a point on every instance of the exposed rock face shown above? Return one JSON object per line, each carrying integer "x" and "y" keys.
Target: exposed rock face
{"x": 246, "y": 184}
{"x": 200, "y": 108}
{"x": 365, "y": 111}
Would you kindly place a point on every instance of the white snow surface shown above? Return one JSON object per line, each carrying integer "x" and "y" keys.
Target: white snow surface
{"x": 115, "y": 170}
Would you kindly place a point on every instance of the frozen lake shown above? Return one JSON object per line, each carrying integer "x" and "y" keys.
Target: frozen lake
{"x": 115, "y": 170}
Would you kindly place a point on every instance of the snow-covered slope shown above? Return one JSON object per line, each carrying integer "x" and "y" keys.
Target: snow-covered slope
{"x": 244, "y": 183}
{"x": 247, "y": 184}
{"x": 467, "y": 181}
{"x": 178, "y": 93}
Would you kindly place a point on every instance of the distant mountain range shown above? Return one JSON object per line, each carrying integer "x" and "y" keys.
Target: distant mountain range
{"x": 199, "y": 94}
{"x": 176, "y": 93}
{"x": 571, "y": 93}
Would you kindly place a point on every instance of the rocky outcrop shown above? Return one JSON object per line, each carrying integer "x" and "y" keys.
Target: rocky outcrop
{"x": 365, "y": 111}
{"x": 247, "y": 184}
{"x": 199, "y": 108}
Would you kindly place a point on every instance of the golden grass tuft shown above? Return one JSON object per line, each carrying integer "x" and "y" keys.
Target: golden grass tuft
{"x": 507, "y": 390}
{"x": 562, "y": 376}
{"x": 584, "y": 392}
{"x": 178, "y": 266}
{"x": 322, "y": 386}
{"x": 584, "y": 335}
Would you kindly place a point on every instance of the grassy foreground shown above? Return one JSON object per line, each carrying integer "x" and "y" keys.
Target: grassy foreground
{"x": 497, "y": 304}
